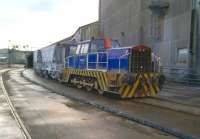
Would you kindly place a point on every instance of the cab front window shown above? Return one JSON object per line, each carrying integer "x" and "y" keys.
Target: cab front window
{"x": 115, "y": 44}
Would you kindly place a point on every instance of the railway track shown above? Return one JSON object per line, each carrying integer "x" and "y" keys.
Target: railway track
{"x": 125, "y": 115}
{"x": 14, "y": 83}
{"x": 16, "y": 116}
{"x": 169, "y": 104}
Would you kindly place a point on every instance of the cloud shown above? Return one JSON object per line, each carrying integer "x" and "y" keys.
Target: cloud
{"x": 45, "y": 5}
{"x": 38, "y": 23}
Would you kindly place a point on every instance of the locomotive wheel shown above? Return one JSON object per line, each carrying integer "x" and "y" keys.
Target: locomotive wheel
{"x": 89, "y": 84}
{"x": 100, "y": 91}
{"x": 46, "y": 76}
{"x": 96, "y": 86}
{"x": 79, "y": 86}
{"x": 88, "y": 88}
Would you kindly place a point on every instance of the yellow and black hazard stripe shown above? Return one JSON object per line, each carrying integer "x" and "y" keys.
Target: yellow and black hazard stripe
{"x": 143, "y": 86}
{"x": 99, "y": 75}
{"x": 128, "y": 91}
{"x": 150, "y": 84}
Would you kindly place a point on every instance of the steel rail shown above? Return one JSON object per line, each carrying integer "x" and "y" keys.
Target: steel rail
{"x": 14, "y": 112}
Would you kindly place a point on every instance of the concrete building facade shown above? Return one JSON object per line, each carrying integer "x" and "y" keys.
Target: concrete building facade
{"x": 169, "y": 27}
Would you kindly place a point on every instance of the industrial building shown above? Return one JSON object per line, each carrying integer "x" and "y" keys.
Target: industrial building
{"x": 13, "y": 56}
{"x": 83, "y": 33}
{"x": 169, "y": 27}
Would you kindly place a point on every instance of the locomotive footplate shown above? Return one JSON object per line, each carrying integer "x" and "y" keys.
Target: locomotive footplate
{"x": 136, "y": 85}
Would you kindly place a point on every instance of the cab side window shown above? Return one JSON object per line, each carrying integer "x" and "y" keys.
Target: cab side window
{"x": 97, "y": 45}
{"x": 72, "y": 50}
{"x": 78, "y": 49}
{"x": 94, "y": 47}
{"x": 115, "y": 44}
{"x": 84, "y": 48}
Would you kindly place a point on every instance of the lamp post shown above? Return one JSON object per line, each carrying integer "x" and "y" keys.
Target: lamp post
{"x": 9, "y": 62}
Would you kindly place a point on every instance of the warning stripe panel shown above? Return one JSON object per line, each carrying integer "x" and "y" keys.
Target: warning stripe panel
{"x": 126, "y": 91}
{"x": 102, "y": 80}
{"x": 134, "y": 89}
{"x": 105, "y": 78}
{"x": 99, "y": 80}
{"x": 122, "y": 88}
{"x": 145, "y": 85}
{"x": 152, "y": 90}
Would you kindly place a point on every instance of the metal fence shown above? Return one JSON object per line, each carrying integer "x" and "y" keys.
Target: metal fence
{"x": 186, "y": 76}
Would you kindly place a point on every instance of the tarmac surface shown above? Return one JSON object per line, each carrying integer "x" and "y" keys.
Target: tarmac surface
{"x": 48, "y": 115}
{"x": 179, "y": 121}
{"x": 9, "y": 128}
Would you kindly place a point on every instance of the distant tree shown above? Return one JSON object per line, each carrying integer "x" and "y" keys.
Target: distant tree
{"x": 26, "y": 47}
{"x": 15, "y": 47}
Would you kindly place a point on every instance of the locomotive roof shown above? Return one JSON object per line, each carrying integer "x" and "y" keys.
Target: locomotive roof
{"x": 141, "y": 47}
{"x": 94, "y": 39}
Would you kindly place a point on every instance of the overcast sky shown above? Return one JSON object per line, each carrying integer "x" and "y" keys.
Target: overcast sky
{"x": 39, "y": 22}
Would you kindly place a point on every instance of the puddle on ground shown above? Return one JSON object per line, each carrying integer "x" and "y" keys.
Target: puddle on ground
{"x": 72, "y": 104}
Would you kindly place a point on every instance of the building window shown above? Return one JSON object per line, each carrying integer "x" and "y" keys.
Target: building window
{"x": 198, "y": 3}
{"x": 195, "y": 3}
{"x": 182, "y": 56}
{"x": 156, "y": 28}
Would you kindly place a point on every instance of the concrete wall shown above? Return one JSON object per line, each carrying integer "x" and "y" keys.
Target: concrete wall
{"x": 132, "y": 22}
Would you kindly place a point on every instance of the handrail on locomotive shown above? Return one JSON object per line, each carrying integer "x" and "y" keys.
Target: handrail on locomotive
{"x": 156, "y": 62}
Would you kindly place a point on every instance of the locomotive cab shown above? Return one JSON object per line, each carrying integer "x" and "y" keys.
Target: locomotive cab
{"x": 91, "y": 54}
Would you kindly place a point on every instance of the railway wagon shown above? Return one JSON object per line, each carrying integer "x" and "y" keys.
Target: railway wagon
{"x": 49, "y": 61}
{"x": 29, "y": 60}
{"x": 103, "y": 65}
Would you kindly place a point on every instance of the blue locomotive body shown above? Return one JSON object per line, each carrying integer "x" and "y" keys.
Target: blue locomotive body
{"x": 92, "y": 55}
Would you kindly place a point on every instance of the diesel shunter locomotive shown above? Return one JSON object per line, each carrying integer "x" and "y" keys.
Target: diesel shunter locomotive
{"x": 103, "y": 65}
